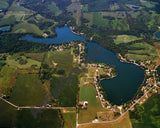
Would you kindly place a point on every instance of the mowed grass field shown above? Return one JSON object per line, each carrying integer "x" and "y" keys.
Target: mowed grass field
{"x": 94, "y": 105}
{"x": 27, "y": 90}
{"x": 64, "y": 60}
{"x": 124, "y": 39}
{"x": 145, "y": 52}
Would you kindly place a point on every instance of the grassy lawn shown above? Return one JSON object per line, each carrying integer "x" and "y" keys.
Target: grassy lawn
{"x": 146, "y": 52}
{"x": 124, "y": 39}
{"x": 94, "y": 106}
{"x": 27, "y": 90}
{"x": 27, "y": 28}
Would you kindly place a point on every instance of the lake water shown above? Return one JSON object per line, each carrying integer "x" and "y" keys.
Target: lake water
{"x": 4, "y": 29}
{"x": 119, "y": 89}
{"x": 157, "y": 35}
{"x": 135, "y": 7}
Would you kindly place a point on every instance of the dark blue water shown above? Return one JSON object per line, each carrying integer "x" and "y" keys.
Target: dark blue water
{"x": 136, "y": 8}
{"x": 157, "y": 35}
{"x": 64, "y": 34}
{"x": 119, "y": 89}
{"x": 4, "y": 29}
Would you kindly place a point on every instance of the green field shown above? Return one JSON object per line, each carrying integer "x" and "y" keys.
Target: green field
{"x": 69, "y": 120}
{"x": 7, "y": 20}
{"x": 29, "y": 118}
{"x": 124, "y": 39}
{"x": 145, "y": 52}
{"x": 64, "y": 90}
{"x": 7, "y": 115}
{"x": 7, "y": 78}
{"x": 14, "y": 61}
{"x": 94, "y": 105}
{"x": 64, "y": 60}
{"x": 99, "y": 20}
{"x": 27, "y": 28}
{"x": 53, "y": 8}
{"x": 28, "y": 90}
{"x": 149, "y": 114}
{"x": 4, "y": 4}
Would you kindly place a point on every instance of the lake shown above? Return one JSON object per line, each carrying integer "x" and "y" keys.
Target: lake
{"x": 119, "y": 89}
{"x": 4, "y": 29}
{"x": 157, "y": 35}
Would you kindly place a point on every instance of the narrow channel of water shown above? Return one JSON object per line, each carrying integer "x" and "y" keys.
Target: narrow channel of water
{"x": 119, "y": 89}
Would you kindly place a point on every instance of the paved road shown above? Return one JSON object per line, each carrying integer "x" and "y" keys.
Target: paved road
{"x": 35, "y": 107}
{"x": 15, "y": 106}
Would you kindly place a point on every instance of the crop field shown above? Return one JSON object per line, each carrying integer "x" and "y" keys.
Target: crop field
{"x": 99, "y": 20}
{"x": 94, "y": 105}
{"x": 64, "y": 60}
{"x": 88, "y": 16}
{"x": 157, "y": 46}
{"x": 116, "y": 15}
{"x": 146, "y": 52}
{"x": 148, "y": 4}
{"x": 7, "y": 115}
{"x": 29, "y": 118}
{"x": 7, "y": 78}
{"x": 15, "y": 61}
{"x": 16, "y": 9}
{"x": 75, "y": 8}
{"x": 27, "y": 28}
{"x": 53, "y": 8}
{"x": 86, "y": 81}
{"x": 7, "y": 20}
{"x": 124, "y": 39}
{"x": 69, "y": 119}
{"x": 149, "y": 115}
{"x": 35, "y": 56}
{"x": 64, "y": 90}
{"x": 31, "y": 92}
{"x": 120, "y": 25}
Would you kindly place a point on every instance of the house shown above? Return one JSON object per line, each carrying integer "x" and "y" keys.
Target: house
{"x": 85, "y": 103}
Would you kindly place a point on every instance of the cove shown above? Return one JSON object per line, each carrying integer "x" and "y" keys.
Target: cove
{"x": 119, "y": 89}
{"x": 157, "y": 35}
